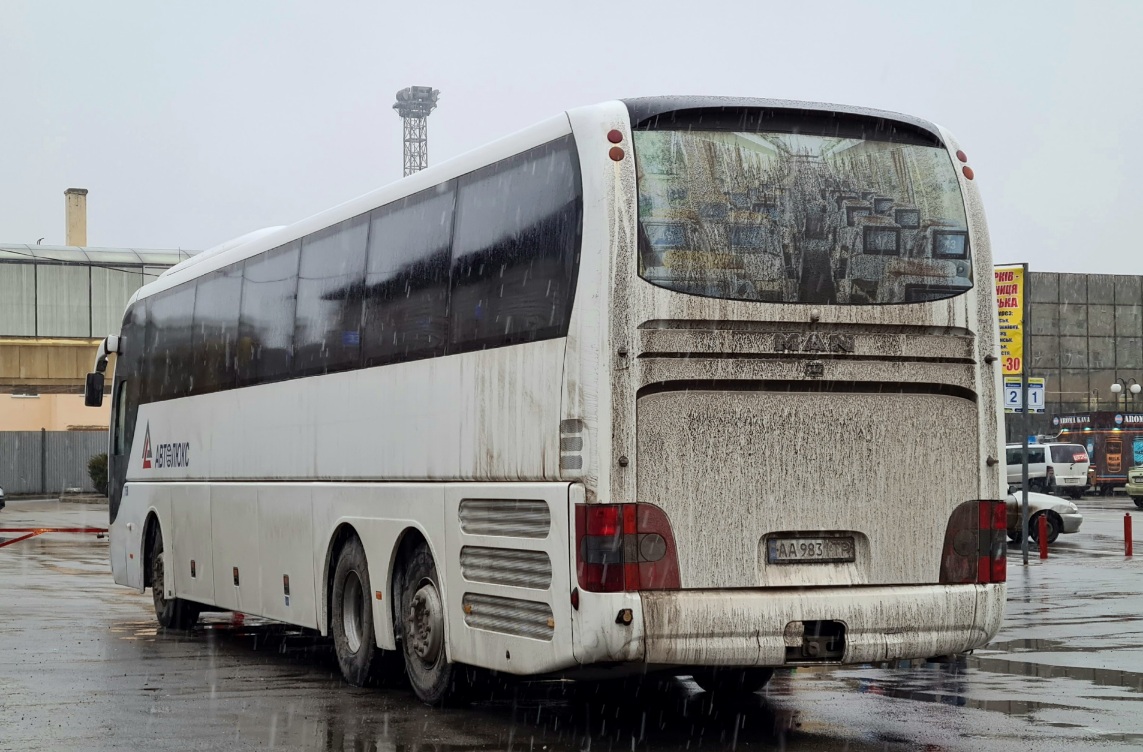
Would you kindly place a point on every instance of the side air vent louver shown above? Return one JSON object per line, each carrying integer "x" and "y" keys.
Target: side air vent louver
{"x": 510, "y": 616}
{"x": 506, "y": 566}
{"x": 512, "y": 518}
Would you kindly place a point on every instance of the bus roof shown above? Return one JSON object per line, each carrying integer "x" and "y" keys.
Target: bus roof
{"x": 643, "y": 109}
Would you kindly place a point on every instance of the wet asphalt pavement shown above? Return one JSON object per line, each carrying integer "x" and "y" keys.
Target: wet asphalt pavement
{"x": 83, "y": 667}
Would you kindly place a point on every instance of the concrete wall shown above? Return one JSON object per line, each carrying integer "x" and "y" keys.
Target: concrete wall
{"x": 53, "y": 412}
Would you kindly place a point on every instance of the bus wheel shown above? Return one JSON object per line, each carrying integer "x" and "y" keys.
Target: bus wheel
{"x": 351, "y": 616}
{"x": 1138, "y": 501}
{"x": 422, "y": 616}
{"x": 732, "y": 681}
{"x": 175, "y": 613}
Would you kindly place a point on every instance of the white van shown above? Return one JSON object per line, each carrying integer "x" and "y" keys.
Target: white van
{"x": 1051, "y": 467}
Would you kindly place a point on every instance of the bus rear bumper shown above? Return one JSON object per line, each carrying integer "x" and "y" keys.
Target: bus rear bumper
{"x": 753, "y": 628}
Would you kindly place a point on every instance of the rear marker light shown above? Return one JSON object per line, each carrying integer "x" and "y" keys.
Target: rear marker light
{"x": 967, "y": 172}
{"x": 961, "y": 155}
{"x": 614, "y": 136}
{"x": 616, "y": 153}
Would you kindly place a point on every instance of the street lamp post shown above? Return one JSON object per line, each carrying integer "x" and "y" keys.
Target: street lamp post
{"x": 1125, "y": 387}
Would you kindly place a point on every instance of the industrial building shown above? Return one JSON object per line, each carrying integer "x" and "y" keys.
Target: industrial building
{"x": 56, "y": 304}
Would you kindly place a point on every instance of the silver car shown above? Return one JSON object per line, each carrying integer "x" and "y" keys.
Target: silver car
{"x": 1063, "y": 516}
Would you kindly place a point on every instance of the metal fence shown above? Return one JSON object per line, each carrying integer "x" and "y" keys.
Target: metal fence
{"x": 48, "y": 462}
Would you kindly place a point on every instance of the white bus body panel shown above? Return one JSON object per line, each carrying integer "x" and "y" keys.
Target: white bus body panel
{"x": 500, "y": 615}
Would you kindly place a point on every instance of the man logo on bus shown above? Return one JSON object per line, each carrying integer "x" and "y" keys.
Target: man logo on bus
{"x": 147, "y": 449}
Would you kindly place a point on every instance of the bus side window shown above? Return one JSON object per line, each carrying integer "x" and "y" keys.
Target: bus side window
{"x": 515, "y": 251}
{"x": 406, "y": 277}
{"x": 266, "y": 315}
{"x": 120, "y": 420}
{"x": 331, "y": 275}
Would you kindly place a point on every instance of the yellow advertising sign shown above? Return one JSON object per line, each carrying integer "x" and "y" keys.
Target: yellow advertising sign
{"x": 1010, "y": 300}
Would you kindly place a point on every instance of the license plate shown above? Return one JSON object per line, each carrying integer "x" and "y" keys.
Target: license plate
{"x": 1072, "y": 481}
{"x": 831, "y": 549}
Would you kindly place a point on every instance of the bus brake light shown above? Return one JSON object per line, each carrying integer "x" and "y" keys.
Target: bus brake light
{"x": 975, "y": 548}
{"x": 625, "y": 547}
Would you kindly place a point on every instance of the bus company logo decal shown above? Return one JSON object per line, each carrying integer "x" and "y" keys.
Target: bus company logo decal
{"x": 147, "y": 449}
{"x": 166, "y": 455}
{"x": 813, "y": 342}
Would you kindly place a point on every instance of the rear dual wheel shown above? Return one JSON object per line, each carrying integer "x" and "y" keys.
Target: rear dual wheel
{"x": 421, "y": 602}
{"x": 420, "y": 626}
{"x": 362, "y": 663}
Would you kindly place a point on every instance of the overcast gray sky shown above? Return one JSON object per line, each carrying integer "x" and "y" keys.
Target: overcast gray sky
{"x": 191, "y": 123}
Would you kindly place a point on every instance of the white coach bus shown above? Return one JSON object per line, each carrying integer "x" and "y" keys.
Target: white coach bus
{"x": 685, "y": 384}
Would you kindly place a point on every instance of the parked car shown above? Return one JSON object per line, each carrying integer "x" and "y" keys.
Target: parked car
{"x": 1063, "y": 516}
{"x": 1135, "y": 485}
{"x": 1051, "y": 467}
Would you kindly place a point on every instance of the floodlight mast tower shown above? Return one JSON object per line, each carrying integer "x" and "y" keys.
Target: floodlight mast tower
{"x": 414, "y": 103}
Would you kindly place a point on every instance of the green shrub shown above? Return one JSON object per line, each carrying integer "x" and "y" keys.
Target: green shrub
{"x": 97, "y": 469}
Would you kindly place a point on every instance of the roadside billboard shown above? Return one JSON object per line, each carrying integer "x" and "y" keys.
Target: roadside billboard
{"x": 1010, "y": 289}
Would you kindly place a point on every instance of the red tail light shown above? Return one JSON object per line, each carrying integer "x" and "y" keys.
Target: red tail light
{"x": 976, "y": 548}
{"x": 624, "y": 547}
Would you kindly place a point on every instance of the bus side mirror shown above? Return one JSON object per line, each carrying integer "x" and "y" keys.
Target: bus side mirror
{"x": 93, "y": 390}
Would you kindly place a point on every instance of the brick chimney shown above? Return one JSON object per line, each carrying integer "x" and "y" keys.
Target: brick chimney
{"x": 76, "y": 202}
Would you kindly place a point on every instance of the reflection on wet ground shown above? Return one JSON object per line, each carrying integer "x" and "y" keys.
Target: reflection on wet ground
{"x": 83, "y": 666}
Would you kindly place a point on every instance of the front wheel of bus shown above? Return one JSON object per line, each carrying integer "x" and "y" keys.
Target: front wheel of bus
{"x": 433, "y": 678}
{"x": 732, "y": 681}
{"x": 171, "y": 613}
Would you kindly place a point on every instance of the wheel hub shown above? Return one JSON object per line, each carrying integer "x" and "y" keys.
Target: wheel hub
{"x": 352, "y": 611}
{"x": 424, "y": 625}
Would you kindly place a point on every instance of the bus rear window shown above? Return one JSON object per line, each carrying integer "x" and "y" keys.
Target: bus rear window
{"x": 798, "y": 218}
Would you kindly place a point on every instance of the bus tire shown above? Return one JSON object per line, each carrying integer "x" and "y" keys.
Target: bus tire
{"x": 351, "y": 617}
{"x": 175, "y": 613}
{"x": 732, "y": 681}
{"x": 421, "y": 627}
{"x": 1138, "y": 501}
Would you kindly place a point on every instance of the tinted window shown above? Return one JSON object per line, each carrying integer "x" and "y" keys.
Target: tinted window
{"x": 327, "y": 336}
{"x": 797, "y": 217}
{"x": 406, "y": 306}
{"x": 1035, "y": 456}
{"x": 1069, "y": 453}
{"x": 169, "y": 352}
{"x": 266, "y": 323}
{"x": 119, "y": 419}
{"x": 516, "y": 249}
{"x": 129, "y": 367}
{"x": 216, "y": 330}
